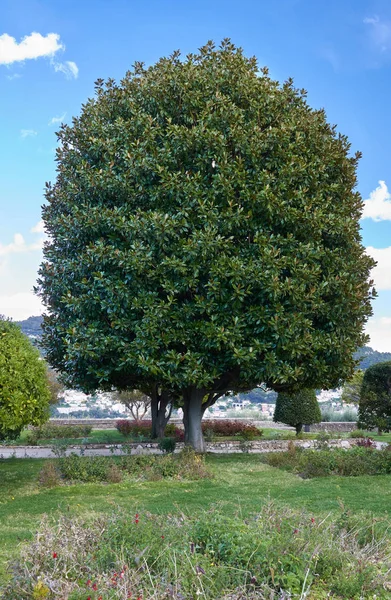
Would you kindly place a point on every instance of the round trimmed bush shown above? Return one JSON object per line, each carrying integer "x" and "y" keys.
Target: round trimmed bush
{"x": 297, "y": 409}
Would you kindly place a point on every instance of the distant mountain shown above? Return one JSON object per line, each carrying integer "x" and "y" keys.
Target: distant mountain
{"x": 367, "y": 356}
{"x": 31, "y": 326}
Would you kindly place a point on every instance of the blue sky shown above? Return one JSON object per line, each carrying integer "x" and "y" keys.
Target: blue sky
{"x": 52, "y": 51}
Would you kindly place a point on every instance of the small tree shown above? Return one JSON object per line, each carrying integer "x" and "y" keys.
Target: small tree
{"x": 352, "y": 388}
{"x": 297, "y": 409}
{"x": 24, "y": 390}
{"x": 374, "y": 408}
{"x": 135, "y": 401}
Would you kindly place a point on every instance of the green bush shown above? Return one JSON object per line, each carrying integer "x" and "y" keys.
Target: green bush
{"x": 228, "y": 428}
{"x": 357, "y": 433}
{"x": 167, "y": 445}
{"x": 48, "y": 431}
{"x": 91, "y": 469}
{"x": 277, "y": 553}
{"x": 86, "y": 469}
{"x": 49, "y": 476}
{"x": 24, "y": 390}
{"x": 323, "y": 463}
{"x": 297, "y": 409}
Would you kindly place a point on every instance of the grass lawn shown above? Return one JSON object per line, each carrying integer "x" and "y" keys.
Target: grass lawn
{"x": 241, "y": 483}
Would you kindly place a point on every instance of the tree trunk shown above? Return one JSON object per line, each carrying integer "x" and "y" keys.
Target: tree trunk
{"x": 159, "y": 414}
{"x": 192, "y": 417}
{"x": 299, "y": 427}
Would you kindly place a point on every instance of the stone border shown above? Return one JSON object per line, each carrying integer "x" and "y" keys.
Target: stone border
{"x": 233, "y": 447}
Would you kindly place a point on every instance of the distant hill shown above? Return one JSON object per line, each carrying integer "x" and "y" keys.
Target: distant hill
{"x": 31, "y": 326}
{"x": 367, "y": 356}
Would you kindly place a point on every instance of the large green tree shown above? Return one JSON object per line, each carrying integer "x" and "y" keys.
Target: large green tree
{"x": 297, "y": 409}
{"x": 24, "y": 390}
{"x": 374, "y": 409}
{"x": 204, "y": 236}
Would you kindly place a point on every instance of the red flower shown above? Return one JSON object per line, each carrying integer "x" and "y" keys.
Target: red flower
{"x": 88, "y": 583}
{"x": 54, "y": 554}
{"x": 295, "y": 531}
{"x": 136, "y": 521}
{"x": 312, "y": 520}
{"x": 162, "y": 537}
{"x": 94, "y": 587}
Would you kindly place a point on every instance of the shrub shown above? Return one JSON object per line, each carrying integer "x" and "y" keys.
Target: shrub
{"x": 48, "y": 431}
{"x": 357, "y": 433}
{"x": 87, "y": 469}
{"x": 337, "y": 416}
{"x": 177, "y": 433}
{"x": 297, "y": 409}
{"x": 167, "y": 445}
{"x": 322, "y": 440}
{"x": 24, "y": 390}
{"x": 278, "y": 553}
{"x": 226, "y": 427}
{"x": 48, "y": 475}
{"x": 322, "y": 463}
{"x": 130, "y": 428}
{"x": 114, "y": 474}
{"x": 93, "y": 469}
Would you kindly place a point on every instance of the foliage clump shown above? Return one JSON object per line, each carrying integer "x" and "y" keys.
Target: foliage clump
{"x": 360, "y": 460}
{"x": 93, "y": 469}
{"x": 48, "y": 431}
{"x": 375, "y": 398}
{"x": 24, "y": 391}
{"x": 226, "y": 427}
{"x": 297, "y": 409}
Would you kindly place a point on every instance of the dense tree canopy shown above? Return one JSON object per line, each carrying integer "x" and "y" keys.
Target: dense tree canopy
{"x": 203, "y": 236}
{"x": 24, "y": 391}
{"x": 374, "y": 409}
{"x": 297, "y": 409}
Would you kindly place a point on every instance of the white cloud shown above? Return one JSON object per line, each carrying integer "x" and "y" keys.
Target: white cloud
{"x": 24, "y": 133}
{"x": 19, "y": 245}
{"x": 55, "y": 120}
{"x": 14, "y": 76}
{"x": 38, "y": 228}
{"x": 20, "y": 306}
{"x": 34, "y": 45}
{"x": 69, "y": 68}
{"x": 378, "y": 205}
{"x": 380, "y": 32}
{"x": 379, "y": 330}
{"x": 382, "y": 272}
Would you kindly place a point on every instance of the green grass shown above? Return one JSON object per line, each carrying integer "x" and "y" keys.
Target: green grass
{"x": 241, "y": 483}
